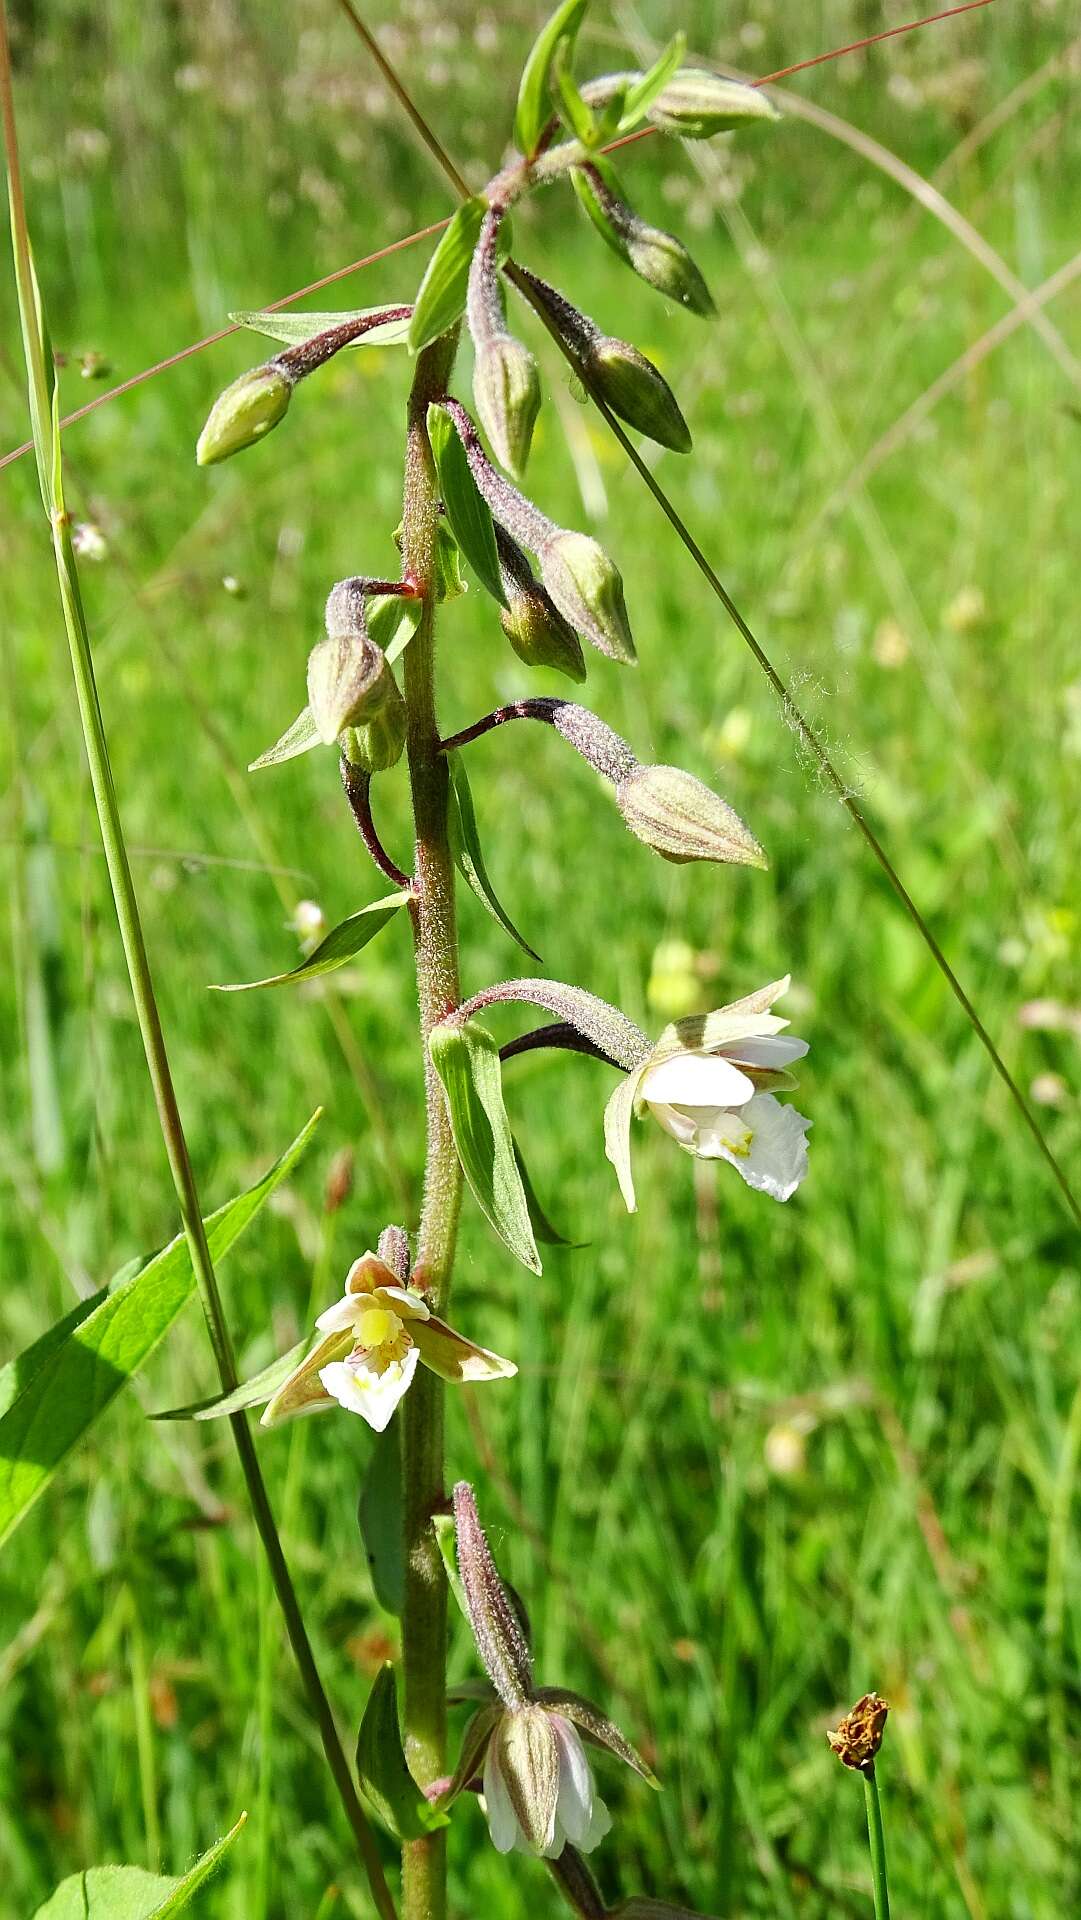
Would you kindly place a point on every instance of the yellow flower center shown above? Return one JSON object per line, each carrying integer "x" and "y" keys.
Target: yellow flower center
{"x": 377, "y": 1327}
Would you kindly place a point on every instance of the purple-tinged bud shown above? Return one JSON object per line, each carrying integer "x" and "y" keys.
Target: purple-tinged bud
{"x": 587, "y": 590}
{"x": 496, "y": 1630}
{"x": 393, "y": 1250}
{"x": 658, "y": 257}
{"x": 696, "y": 104}
{"x": 244, "y": 413}
{"x": 506, "y": 389}
{"x": 635, "y": 389}
{"x": 536, "y": 630}
{"x": 682, "y": 819}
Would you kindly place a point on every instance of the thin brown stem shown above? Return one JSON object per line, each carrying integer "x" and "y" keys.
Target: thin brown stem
{"x": 358, "y": 792}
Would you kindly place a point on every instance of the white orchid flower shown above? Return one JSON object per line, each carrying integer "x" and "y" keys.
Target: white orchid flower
{"x": 710, "y": 1082}
{"x": 372, "y": 1341}
{"x": 570, "y": 1809}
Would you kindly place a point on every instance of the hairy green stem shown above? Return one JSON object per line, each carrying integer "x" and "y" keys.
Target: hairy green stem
{"x": 877, "y": 1840}
{"x": 435, "y": 937}
{"x": 143, "y": 994}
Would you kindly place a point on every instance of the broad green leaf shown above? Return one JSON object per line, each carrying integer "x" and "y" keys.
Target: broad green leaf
{"x": 54, "y": 1392}
{"x": 251, "y": 1393}
{"x": 468, "y": 854}
{"x": 646, "y": 89}
{"x": 385, "y": 1780}
{"x": 466, "y": 1059}
{"x": 296, "y": 329}
{"x": 301, "y": 737}
{"x": 534, "y": 105}
{"x": 470, "y": 516}
{"x": 379, "y": 1515}
{"x": 441, "y": 295}
{"x": 446, "y": 1540}
{"x": 341, "y": 943}
{"x": 130, "y": 1893}
{"x": 543, "y": 1229}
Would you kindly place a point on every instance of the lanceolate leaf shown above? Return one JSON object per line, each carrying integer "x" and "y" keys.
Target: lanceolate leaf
{"x": 446, "y": 1540}
{"x": 301, "y": 737}
{"x": 379, "y": 1514}
{"x": 466, "y": 1059}
{"x": 341, "y": 943}
{"x": 441, "y": 294}
{"x": 130, "y": 1893}
{"x": 468, "y": 854}
{"x": 251, "y": 1393}
{"x": 649, "y": 85}
{"x": 534, "y": 103}
{"x": 543, "y": 1229}
{"x": 385, "y": 1780}
{"x": 470, "y": 517}
{"x": 54, "y": 1392}
{"x": 296, "y": 329}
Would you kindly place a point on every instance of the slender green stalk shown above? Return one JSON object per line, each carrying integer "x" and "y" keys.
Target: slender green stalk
{"x": 877, "y": 1842}
{"x": 46, "y": 441}
{"x": 435, "y": 937}
{"x": 792, "y": 713}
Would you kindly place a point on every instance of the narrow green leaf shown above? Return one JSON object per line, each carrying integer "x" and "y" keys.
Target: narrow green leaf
{"x": 579, "y": 116}
{"x": 445, "y": 1535}
{"x": 385, "y": 1780}
{"x": 587, "y": 199}
{"x": 534, "y": 103}
{"x": 51, "y": 1394}
{"x": 645, "y": 90}
{"x": 379, "y": 1515}
{"x": 296, "y": 329}
{"x": 543, "y": 1229}
{"x": 470, "y": 517}
{"x": 441, "y": 295}
{"x": 301, "y": 737}
{"x": 466, "y": 1059}
{"x": 130, "y": 1893}
{"x": 468, "y": 854}
{"x": 341, "y": 943}
{"x": 251, "y": 1393}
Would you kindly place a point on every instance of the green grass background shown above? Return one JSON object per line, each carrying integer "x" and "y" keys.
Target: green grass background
{"x": 758, "y": 1459}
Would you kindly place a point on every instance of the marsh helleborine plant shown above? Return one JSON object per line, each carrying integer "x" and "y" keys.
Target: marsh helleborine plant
{"x": 385, "y": 1348}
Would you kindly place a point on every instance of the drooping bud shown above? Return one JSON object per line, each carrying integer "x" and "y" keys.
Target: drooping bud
{"x": 506, "y": 384}
{"x": 393, "y": 1250}
{"x": 244, "y": 413}
{"x": 682, "y": 819}
{"x": 658, "y": 257}
{"x": 343, "y": 671}
{"x": 496, "y": 1630}
{"x": 696, "y": 104}
{"x": 358, "y": 695}
{"x": 587, "y": 590}
{"x": 535, "y": 628}
{"x": 635, "y": 389}
{"x": 506, "y": 388}
{"x": 524, "y": 1758}
{"x": 376, "y": 742}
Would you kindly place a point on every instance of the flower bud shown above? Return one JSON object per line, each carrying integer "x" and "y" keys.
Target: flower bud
{"x": 506, "y": 388}
{"x": 635, "y": 389}
{"x": 696, "y": 104}
{"x": 526, "y": 1759}
{"x": 344, "y": 671}
{"x": 538, "y": 633}
{"x": 682, "y": 819}
{"x": 588, "y": 591}
{"x": 664, "y": 262}
{"x": 244, "y": 413}
{"x": 496, "y": 1628}
{"x": 377, "y": 742}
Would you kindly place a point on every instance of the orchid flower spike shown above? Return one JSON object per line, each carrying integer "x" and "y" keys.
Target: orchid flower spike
{"x": 710, "y": 1081}
{"x": 372, "y": 1341}
{"x": 537, "y": 1782}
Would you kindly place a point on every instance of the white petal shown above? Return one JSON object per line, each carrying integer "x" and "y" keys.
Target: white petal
{"x": 361, "y": 1389}
{"x": 618, "y": 1115}
{"x": 341, "y": 1315}
{"x": 404, "y": 1301}
{"x": 778, "y": 1051}
{"x": 777, "y": 1160}
{"x": 695, "y": 1080}
{"x": 682, "y": 1126}
{"x": 574, "y": 1808}
{"x": 502, "y": 1824}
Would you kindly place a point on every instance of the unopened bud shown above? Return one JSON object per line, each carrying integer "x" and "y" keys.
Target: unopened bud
{"x": 244, "y": 413}
{"x": 664, "y": 262}
{"x": 536, "y": 630}
{"x": 344, "y": 671}
{"x": 506, "y": 388}
{"x": 587, "y": 590}
{"x": 527, "y": 1757}
{"x": 496, "y": 1630}
{"x": 697, "y": 104}
{"x": 682, "y": 819}
{"x": 635, "y": 389}
{"x": 376, "y": 743}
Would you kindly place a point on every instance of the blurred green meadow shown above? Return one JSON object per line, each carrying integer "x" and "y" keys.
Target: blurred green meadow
{"x": 758, "y": 1459}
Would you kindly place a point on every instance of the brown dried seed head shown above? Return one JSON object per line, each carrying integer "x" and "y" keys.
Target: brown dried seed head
{"x": 859, "y": 1736}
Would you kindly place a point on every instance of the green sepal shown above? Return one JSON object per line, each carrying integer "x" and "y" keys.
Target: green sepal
{"x": 340, "y": 944}
{"x": 251, "y": 1393}
{"x": 385, "y": 1780}
{"x": 466, "y": 1058}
